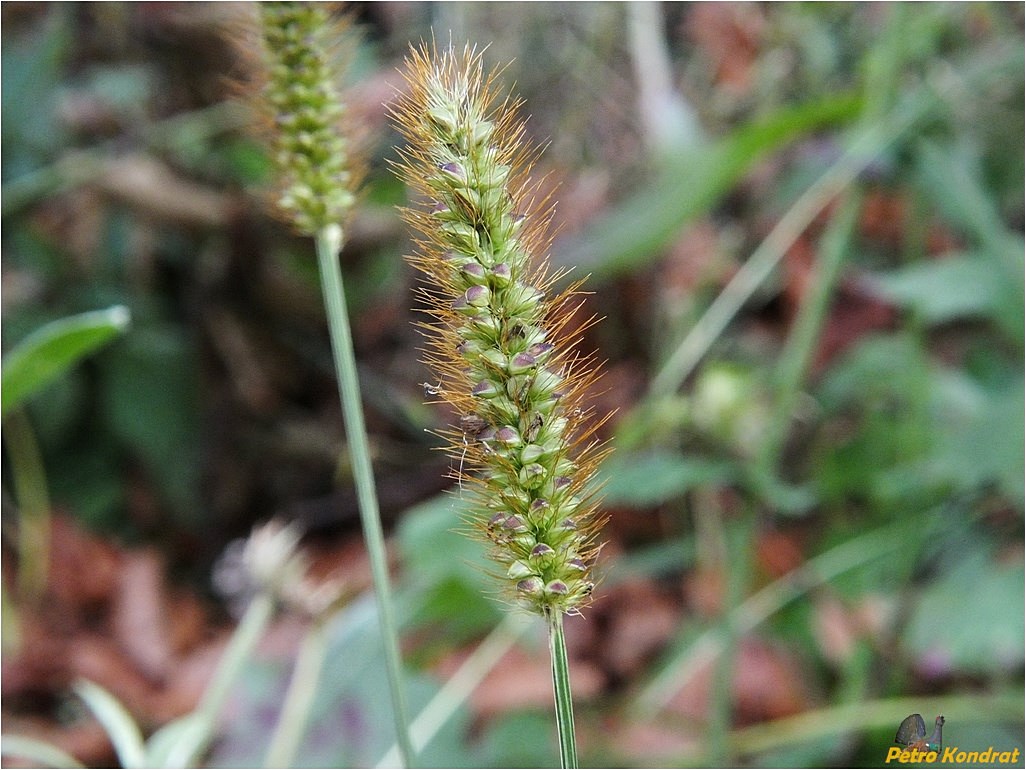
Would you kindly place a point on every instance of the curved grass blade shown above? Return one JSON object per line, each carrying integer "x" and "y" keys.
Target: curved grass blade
{"x": 53, "y": 349}
{"x": 124, "y": 733}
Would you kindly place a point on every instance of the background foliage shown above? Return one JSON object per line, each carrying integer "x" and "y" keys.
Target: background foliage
{"x": 816, "y": 505}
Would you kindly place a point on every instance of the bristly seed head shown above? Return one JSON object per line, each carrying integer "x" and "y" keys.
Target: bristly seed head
{"x": 310, "y": 149}
{"x": 500, "y": 347}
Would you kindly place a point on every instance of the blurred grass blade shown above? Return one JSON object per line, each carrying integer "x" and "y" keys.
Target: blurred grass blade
{"x": 51, "y": 350}
{"x": 866, "y": 145}
{"x": 38, "y": 752}
{"x": 872, "y": 715}
{"x": 121, "y": 728}
{"x": 689, "y": 184}
{"x": 955, "y": 185}
{"x": 763, "y": 604}
{"x": 171, "y": 745}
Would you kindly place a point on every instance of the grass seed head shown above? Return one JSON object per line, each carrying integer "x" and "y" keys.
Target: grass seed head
{"x": 498, "y": 344}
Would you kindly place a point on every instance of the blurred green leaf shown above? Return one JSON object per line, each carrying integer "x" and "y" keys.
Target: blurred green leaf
{"x": 122, "y": 730}
{"x": 149, "y": 400}
{"x": 47, "y": 353}
{"x": 971, "y": 619}
{"x": 449, "y": 568}
{"x": 979, "y": 431}
{"x": 31, "y": 72}
{"x": 521, "y": 739}
{"x": 951, "y": 177}
{"x": 690, "y": 184}
{"x": 645, "y": 479}
{"x": 941, "y": 290}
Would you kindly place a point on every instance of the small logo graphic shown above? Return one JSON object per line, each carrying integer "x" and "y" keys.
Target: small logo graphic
{"x": 918, "y": 749}
{"x": 912, "y": 734}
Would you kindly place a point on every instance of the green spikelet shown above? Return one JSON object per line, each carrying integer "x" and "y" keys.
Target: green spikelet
{"x": 310, "y": 150}
{"x": 498, "y": 346}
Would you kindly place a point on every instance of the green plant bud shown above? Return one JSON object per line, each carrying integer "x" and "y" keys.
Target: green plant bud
{"x": 542, "y": 552}
{"x": 501, "y": 275}
{"x": 523, "y": 300}
{"x": 497, "y": 177}
{"x": 521, "y": 363}
{"x": 533, "y": 452}
{"x": 540, "y": 351}
{"x": 474, "y": 273}
{"x": 508, "y": 522}
{"x": 469, "y": 348}
{"x": 462, "y": 306}
{"x": 453, "y": 171}
{"x": 519, "y": 570}
{"x": 462, "y": 236}
{"x": 556, "y": 427}
{"x": 493, "y": 360}
{"x": 531, "y": 587}
{"x": 443, "y": 212}
{"x": 557, "y": 588}
{"x": 532, "y": 476}
{"x": 444, "y": 120}
{"x": 508, "y": 436}
{"x": 482, "y": 132}
{"x": 468, "y": 199}
{"x": 545, "y": 383}
{"x": 516, "y": 499}
{"x": 485, "y": 389}
{"x": 478, "y": 296}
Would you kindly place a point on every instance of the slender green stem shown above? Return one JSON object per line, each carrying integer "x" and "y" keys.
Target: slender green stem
{"x": 29, "y": 478}
{"x": 561, "y": 688}
{"x": 867, "y": 145}
{"x": 768, "y": 600}
{"x": 239, "y": 649}
{"x": 797, "y": 353}
{"x": 460, "y": 685}
{"x": 295, "y": 712}
{"x": 737, "y": 570}
{"x": 329, "y": 244}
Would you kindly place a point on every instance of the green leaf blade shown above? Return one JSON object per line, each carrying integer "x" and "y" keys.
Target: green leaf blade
{"x": 124, "y": 733}
{"x": 53, "y": 349}
{"x": 690, "y": 183}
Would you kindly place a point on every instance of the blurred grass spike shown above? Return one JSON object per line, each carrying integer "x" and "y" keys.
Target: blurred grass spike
{"x": 310, "y": 149}
{"x": 304, "y": 110}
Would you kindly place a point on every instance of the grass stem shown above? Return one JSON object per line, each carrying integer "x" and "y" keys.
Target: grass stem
{"x": 329, "y": 244}
{"x": 797, "y": 354}
{"x": 29, "y": 481}
{"x": 239, "y": 649}
{"x": 561, "y": 687}
{"x": 461, "y": 685}
{"x": 295, "y": 711}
